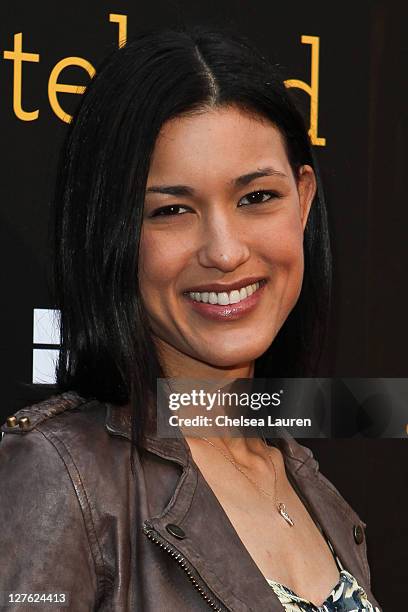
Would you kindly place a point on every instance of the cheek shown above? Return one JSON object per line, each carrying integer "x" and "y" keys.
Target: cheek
{"x": 281, "y": 244}
{"x": 160, "y": 262}
{"x": 282, "y": 249}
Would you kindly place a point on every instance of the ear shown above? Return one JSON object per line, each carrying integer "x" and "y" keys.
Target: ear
{"x": 307, "y": 186}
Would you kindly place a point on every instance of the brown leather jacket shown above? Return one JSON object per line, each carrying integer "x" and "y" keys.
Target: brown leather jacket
{"x": 74, "y": 519}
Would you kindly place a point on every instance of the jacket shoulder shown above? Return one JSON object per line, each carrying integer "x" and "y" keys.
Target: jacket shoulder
{"x": 29, "y": 417}
{"x": 45, "y": 511}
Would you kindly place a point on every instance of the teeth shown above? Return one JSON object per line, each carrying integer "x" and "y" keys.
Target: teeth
{"x": 224, "y": 298}
{"x": 235, "y": 296}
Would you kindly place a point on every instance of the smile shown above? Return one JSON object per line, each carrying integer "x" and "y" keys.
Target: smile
{"x": 225, "y": 298}
{"x": 226, "y": 305}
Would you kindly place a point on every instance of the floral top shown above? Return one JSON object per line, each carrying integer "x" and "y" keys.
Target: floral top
{"x": 346, "y": 596}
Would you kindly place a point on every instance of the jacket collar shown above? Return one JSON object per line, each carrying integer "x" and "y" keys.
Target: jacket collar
{"x": 329, "y": 510}
{"x": 299, "y": 458}
{"x": 243, "y": 587}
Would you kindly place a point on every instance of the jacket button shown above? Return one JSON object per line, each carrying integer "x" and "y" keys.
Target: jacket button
{"x": 11, "y": 421}
{"x": 176, "y": 531}
{"x": 358, "y": 534}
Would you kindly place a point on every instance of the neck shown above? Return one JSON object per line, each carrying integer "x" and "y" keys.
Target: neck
{"x": 182, "y": 366}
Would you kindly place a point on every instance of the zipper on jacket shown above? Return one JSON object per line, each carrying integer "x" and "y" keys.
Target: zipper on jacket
{"x": 200, "y": 585}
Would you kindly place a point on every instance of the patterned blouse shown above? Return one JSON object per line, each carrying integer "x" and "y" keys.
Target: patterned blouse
{"x": 346, "y": 596}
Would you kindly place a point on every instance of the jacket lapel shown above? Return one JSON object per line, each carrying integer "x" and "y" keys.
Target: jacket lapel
{"x": 212, "y": 545}
{"x": 328, "y": 509}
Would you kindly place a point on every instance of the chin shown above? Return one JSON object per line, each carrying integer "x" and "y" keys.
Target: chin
{"x": 235, "y": 357}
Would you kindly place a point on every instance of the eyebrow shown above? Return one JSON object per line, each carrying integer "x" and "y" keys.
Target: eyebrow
{"x": 240, "y": 181}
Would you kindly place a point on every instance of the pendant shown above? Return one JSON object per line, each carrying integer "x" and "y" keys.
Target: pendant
{"x": 282, "y": 512}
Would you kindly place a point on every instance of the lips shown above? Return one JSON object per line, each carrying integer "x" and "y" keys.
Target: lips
{"x": 217, "y": 306}
{"x": 224, "y": 298}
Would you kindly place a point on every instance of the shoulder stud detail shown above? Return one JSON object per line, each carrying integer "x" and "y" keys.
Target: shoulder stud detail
{"x": 30, "y": 417}
{"x": 11, "y": 421}
{"x": 24, "y": 423}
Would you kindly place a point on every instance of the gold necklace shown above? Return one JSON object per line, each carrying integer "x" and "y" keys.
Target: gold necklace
{"x": 280, "y": 506}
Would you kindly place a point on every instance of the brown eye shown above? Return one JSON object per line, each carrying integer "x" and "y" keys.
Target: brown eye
{"x": 167, "y": 211}
{"x": 259, "y": 197}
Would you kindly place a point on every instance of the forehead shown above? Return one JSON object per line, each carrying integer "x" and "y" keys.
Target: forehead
{"x": 218, "y": 143}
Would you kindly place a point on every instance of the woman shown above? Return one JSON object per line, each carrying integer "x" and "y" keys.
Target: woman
{"x": 191, "y": 241}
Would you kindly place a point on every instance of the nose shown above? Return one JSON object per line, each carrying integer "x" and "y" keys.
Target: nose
{"x": 224, "y": 244}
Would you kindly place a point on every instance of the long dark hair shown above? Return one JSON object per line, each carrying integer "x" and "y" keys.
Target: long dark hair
{"x": 107, "y": 348}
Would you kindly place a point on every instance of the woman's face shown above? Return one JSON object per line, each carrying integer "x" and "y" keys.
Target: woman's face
{"x": 221, "y": 253}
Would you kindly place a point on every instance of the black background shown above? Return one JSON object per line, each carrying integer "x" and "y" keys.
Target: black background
{"x": 362, "y": 115}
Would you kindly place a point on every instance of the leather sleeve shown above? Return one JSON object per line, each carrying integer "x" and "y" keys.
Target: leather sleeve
{"x": 44, "y": 545}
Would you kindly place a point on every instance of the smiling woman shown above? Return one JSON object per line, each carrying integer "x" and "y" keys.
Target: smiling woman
{"x": 191, "y": 240}
{"x": 226, "y": 210}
